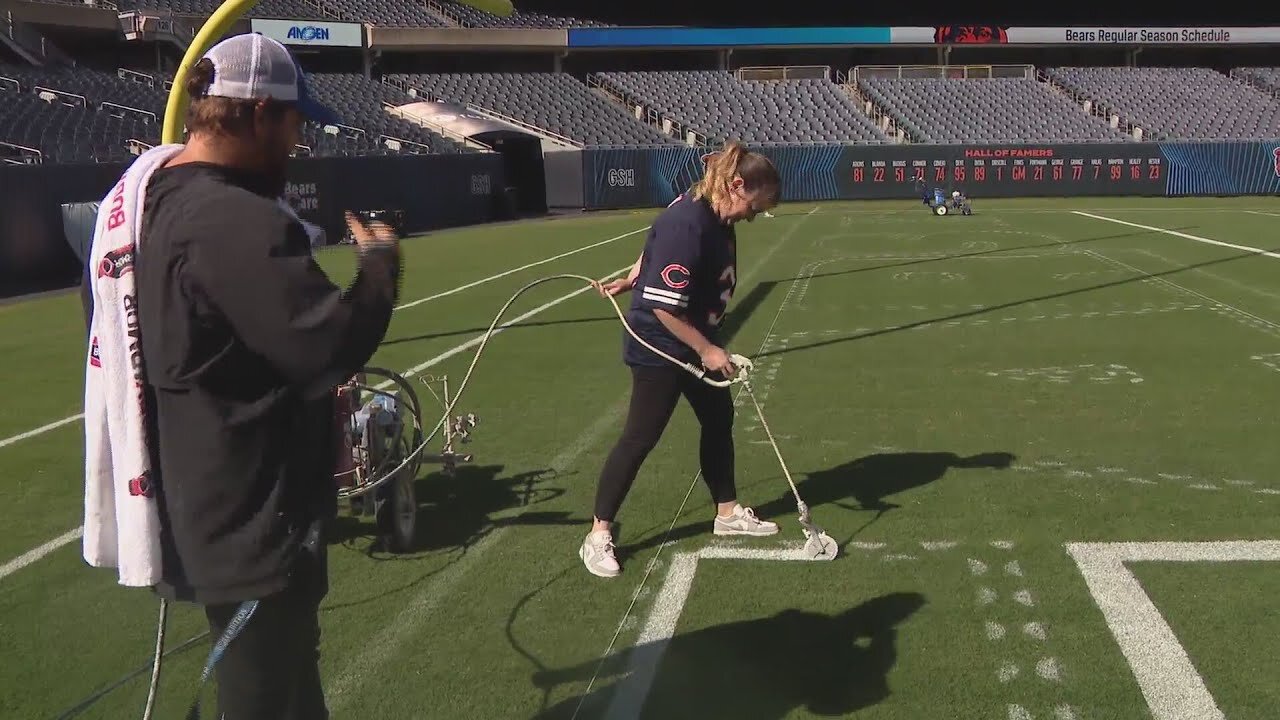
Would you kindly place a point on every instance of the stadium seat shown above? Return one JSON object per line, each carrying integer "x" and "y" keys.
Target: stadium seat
{"x": 1173, "y": 103}
{"x": 552, "y": 101}
{"x": 720, "y": 105}
{"x": 955, "y": 110}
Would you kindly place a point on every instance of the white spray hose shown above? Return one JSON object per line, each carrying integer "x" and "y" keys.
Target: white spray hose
{"x": 818, "y": 544}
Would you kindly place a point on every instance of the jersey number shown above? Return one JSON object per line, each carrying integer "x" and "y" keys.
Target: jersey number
{"x": 728, "y": 280}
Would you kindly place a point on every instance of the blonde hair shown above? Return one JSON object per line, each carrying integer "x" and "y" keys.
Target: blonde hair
{"x": 734, "y": 160}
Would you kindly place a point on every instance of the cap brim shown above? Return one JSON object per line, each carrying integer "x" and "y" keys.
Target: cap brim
{"x": 315, "y": 112}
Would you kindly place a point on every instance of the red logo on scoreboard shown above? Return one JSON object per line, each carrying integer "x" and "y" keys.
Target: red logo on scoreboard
{"x": 1276, "y": 153}
{"x": 970, "y": 34}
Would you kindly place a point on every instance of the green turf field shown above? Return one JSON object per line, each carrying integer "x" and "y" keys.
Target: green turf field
{"x": 1029, "y": 429}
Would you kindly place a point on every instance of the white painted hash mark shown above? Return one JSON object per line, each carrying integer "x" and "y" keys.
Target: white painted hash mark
{"x": 995, "y": 631}
{"x": 977, "y": 567}
{"x": 986, "y": 596}
{"x": 1024, "y": 597}
{"x": 1008, "y": 671}
{"x": 1170, "y": 683}
{"x": 1064, "y": 712}
{"x": 1002, "y": 544}
{"x": 1012, "y": 568}
{"x": 1048, "y": 669}
{"x": 1017, "y": 712}
{"x": 1035, "y": 630}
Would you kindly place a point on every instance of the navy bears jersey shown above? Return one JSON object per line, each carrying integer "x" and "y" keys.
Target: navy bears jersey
{"x": 689, "y": 269}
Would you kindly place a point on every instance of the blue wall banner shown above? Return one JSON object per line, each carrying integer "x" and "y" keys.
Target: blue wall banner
{"x": 652, "y": 177}
{"x": 726, "y": 37}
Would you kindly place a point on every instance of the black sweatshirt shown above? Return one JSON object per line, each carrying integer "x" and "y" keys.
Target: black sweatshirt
{"x": 244, "y": 339}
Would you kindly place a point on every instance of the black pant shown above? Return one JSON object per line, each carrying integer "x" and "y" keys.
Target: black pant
{"x": 271, "y": 670}
{"x": 654, "y": 394}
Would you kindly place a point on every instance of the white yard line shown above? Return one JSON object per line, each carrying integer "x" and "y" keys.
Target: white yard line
{"x": 512, "y": 271}
{"x": 1174, "y": 690}
{"x": 31, "y": 556}
{"x": 1176, "y": 233}
{"x": 68, "y": 420}
{"x": 70, "y": 535}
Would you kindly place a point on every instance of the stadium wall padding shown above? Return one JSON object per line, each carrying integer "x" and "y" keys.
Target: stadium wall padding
{"x": 434, "y": 191}
{"x": 651, "y": 177}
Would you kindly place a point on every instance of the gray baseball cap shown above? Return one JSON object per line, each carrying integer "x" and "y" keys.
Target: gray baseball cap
{"x": 255, "y": 67}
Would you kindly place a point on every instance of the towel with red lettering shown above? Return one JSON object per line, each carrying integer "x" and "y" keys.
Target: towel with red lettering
{"x": 121, "y": 517}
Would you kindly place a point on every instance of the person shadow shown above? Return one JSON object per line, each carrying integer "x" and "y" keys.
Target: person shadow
{"x": 867, "y": 481}
{"x": 871, "y": 479}
{"x": 763, "y": 669}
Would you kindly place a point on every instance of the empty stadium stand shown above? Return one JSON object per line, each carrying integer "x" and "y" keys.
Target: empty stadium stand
{"x": 109, "y": 110}
{"x": 719, "y": 105}
{"x": 1168, "y": 103}
{"x": 556, "y": 102}
{"x": 290, "y": 9}
{"x": 1263, "y": 78}
{"x": 466, "y": 16}
{"x": 994, "y": 109}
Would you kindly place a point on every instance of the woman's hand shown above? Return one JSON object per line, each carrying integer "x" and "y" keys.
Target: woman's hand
{"x": 617, "y": 286}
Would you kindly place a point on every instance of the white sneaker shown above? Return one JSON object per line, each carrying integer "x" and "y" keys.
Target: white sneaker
{"x": 597, "y": 554}
{"x": 743, "y": 521}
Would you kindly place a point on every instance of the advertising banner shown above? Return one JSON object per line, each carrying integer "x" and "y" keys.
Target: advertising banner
{"x": 310, "y": 33}
{"x": 638, "y": 177}
{"x": 1004, "y": 35}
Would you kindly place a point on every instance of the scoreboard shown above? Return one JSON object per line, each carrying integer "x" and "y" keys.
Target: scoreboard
{"x": 996, "y": 171}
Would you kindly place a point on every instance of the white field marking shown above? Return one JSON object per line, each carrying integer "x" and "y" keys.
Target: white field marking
{"x": 1268, "y": 491}
{"x": 1003, "y": 544}
{"x": 1064, "y": 712}
{"x": 1063, "y": 375}
{"x": 1012, "y": 568}
{"x": 1035, "y": 630}
{"x": 1049, "y": 669}
{"x": 1017, "y": 712}
{"x": 1271, "y": 360}
{"x": 1170, "y": 683}
{"x": 995, "y": 631}
{"x": 654, "y": 563}
{"x": 67, "y": 420}
{"x": 40, "y": 430}
{"x": 1242, "y": 286}
{"x": 33, "y": 555}
{"x": 1259, "y": 212}
{"x": 1008, "y": 671}
{"x": 986, "y": 596}
{"x": 1243, "y": 316}
{"x": 977, "y": 567}
{"x": 480, "y": 338}
{"x": 895, "y": 557}
{"x": 1024, "y": 597}
{"x": 513, "y": 271}
{"x": 1176, "y": 233}
{"x": 938, "y": 544}
{"x": 865, "y": 545}
{"x": 642, "y": 664}
{"x": 75, "y": 533}
{"x": 939, "y": 275}
{"x": 404, "y": 628}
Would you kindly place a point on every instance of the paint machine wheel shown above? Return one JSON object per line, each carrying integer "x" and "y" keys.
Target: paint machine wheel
{"x": 940, "y": 210}
{"x": 820, "y": 546}
{"x": 396, "y": 514}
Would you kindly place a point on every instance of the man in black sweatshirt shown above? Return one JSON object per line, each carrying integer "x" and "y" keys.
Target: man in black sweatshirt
{"x": 244, "y": 340}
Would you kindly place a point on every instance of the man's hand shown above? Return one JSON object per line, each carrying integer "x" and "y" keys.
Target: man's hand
{"x": 716, "y": 359}
{"x": 617, "y": 286}
{"x": 377, "y": 235}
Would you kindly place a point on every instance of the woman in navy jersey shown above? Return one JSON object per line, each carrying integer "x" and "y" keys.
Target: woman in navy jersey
{"x": 682, "y": 282}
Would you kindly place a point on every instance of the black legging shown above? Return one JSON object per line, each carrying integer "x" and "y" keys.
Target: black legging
{"x": 654, "y": 394}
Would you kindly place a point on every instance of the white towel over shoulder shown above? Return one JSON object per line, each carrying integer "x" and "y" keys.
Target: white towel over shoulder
{"x": 121, "y": 519}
